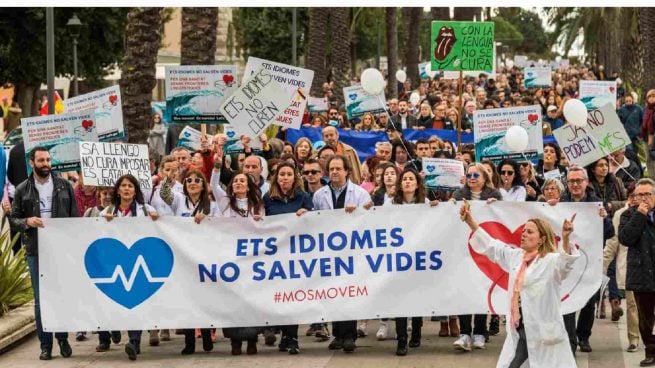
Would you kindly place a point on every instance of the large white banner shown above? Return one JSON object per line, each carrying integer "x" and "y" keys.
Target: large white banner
{"x": 135, "y": 273}
{"x": 294, "y": 80}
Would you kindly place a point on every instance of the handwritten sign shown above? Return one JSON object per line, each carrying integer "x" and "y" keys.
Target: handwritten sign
{"x": 537, "y": 77}
{"x": 108, "y": 108}
{"x": 60, "y": 134}
{"x": 595, "y": 94}
{"x": 491, "y": 125}
{"x": 256, "y": 104}
{"x": 462, "y": 46}
{"x": 194, "y": 92}
{"x": 103, "y": 163}
{"x": 358, "y": 102}
{"x": 602, "y": 135}
{"x": 294, "y": 80}
{"x": 443, "y": 174}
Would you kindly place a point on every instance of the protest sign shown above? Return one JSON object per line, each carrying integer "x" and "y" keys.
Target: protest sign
{"x": 294, "y": 80}
{"x": 317, "y": 104}
{"x": 424, "y": 71}
{"x": 602, "y": 135}
{"x": 491, "y": 125}
{"x": 595, "y": 94}
{"x": 324, "y": 265}
{"x": 442, "y": 173}
{"x": 194, "y": 92}
{"x": 564, "y": 63}
{"x": 60, "y": 135}
{"x": 256, "y": 104}
{"x": 537, "y": 77}
{"x": 520, "y": 61}
{"x": 189, "y": 138}
{"x": 108, "y": 107}
{"x": 103, "y": 163}
{"x": 234, "y": 143}
{"x": 358, "y": 102}
{"x": 462, "y": 46}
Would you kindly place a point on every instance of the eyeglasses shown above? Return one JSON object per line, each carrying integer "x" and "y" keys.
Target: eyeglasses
{"x": 310, "y": 172}
{"x": 643, "y": 195}
{"x": 507, "y": 172}
{"x": 193, "y": 180}
{"x": 576, "y": 181}
{"x": 524, "y": 164}
{"x": 473, "y": 175}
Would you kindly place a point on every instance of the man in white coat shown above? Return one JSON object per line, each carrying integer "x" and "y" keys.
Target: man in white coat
{"x": 342, "y": 193}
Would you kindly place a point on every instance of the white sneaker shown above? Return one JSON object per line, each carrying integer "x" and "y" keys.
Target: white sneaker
{"x": 382, "y": 331}
{"x": 478, "y": 341}
{"x": 463, "y": 343}
{"x": 361, "y": 329}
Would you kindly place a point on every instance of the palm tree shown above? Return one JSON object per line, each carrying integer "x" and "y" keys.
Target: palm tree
{"x": 138, "y": 78}
{"x": 632, "y": 63}
{"x": 198, "y": 44}
{"x": 440, "y": 13}
{"x": 391, "y": 18}
{"x": 340, "y": 27}
{"x": 317, "y": 42}
{"x": 647, "y": 28}
{"x": 412, "y": 19}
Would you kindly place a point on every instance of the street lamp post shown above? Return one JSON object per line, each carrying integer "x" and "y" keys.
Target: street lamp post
{"x": 74, "y": 24}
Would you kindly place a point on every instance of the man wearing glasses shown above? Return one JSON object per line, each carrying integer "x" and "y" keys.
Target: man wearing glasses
{"x": 636, "y": 231}
{"x": 313, "y": 176}
{"x": 579, "y": 336}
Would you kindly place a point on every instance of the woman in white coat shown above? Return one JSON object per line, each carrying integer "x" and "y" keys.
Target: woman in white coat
{"x": 535, "y": 330}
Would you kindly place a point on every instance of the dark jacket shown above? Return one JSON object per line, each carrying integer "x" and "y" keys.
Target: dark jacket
{"x": 396, "y": 122}
{"x": 280, "y": 206}
{"x": 590, "y": 196}
{"x": 637, "y": 233}
{"x": 17, "y": 167}
{"x": 633, "y": 170}
{"x": 26, "y": 205}
{"x": 632, "y": 117}
{"x": 465, "y": 193}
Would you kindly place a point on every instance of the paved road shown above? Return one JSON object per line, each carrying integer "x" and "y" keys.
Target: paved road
{"x": 608, "y": 342}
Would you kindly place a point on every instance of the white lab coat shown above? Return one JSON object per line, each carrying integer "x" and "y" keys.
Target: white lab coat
{"x": 355, "y": 195}
{"x": 547, "y": 341}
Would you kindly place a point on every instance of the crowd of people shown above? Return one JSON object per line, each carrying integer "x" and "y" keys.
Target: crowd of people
{"x": 285, "y": 177}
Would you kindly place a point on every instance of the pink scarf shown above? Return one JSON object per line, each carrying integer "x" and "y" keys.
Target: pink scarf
{"x": 518, "y": 285}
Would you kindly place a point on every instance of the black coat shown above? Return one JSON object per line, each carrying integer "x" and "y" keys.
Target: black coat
{"x": 26, "y": 205}
{"x": 637, "y": 233}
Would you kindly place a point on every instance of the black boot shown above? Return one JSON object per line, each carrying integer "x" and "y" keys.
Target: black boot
{"x": 283, "y": 346}
{"x": 189, "y": 342}
{"x": 415, "y": 341}
{"x": 65, "y": 348}
{"x": 46, "y": 353}
{"x": 207, "y": 344}
{"x": 401, "y": 350}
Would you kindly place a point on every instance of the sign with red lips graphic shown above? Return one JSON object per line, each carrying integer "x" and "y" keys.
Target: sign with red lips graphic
{"x": 462, "y": 46}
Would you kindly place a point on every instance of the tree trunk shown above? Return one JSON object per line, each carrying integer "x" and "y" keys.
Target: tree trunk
{"x": 647, "y": 31}
{"x": 391, "y": 19}
{"x": 339, "y": 20}
{"x": 24, "y": 95}
{"x": 467, "y": 13}
{"x": 412, "y": 18}
{"x": 631, "y": 51}
{"x": 316, "y": 48}
{"x": 198, "y": 43}
{"x": 440, "y": 13}
{"x": 142, "y": 39}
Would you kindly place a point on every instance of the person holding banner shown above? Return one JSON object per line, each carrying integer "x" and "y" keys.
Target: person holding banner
{"x": 128, "y": 201}
{"x": 287, "y": 196}
{"x": 385, "y": 192}
{"x": 535, "y": 332}
{"x": 411, "y": 190}
{"x": 42, "y": 195}
{"x": 161, "y": 197}
{"x": 478, "y": 186}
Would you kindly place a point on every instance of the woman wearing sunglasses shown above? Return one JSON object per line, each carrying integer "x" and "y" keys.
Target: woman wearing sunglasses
{"x": 287, "y": 196}
{"x": 511, "y": 186}
{"x": 478, "y": 186}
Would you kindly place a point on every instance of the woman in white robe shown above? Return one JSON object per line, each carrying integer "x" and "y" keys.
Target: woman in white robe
{"x": 536, "y": 336}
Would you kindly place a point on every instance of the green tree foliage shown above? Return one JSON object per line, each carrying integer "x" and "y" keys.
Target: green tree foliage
{"x": 23, "y": 48}
{"x": 528, "y": 23}
{"x": 506, "y": 33}
{"x": 266, "y": 32}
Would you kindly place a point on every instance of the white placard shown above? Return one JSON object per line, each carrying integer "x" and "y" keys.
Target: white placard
{"x": 107, "y": 104}
{"x": 443, "y": 173}
{"x": 103, "y": 163}
{"x": 595, "y": 94}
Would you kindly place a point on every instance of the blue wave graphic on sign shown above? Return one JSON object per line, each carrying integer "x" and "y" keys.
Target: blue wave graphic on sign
{"x": 129, "y": 276}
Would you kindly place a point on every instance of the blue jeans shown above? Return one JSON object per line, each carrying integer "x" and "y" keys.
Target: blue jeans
{"x": 44, "y": 337}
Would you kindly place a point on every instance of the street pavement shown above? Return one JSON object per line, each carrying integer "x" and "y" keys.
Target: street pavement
{"x": 608, "y": 341}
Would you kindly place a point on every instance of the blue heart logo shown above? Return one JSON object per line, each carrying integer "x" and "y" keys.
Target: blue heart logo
{"x": 353, "y": 96}
{"x": 129, "y": 276}
{"x": 187, "y": 134}
{"x": 430, "y": 168}
{"x": 529, "y": 74}
{"x": 230, "y": 134}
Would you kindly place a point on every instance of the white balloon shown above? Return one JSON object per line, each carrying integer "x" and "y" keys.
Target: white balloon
{"x": 517, "y": 138}
{"x": 414, "y": 98}
{"x": 372, "y": 81}
{"x": 401, "y": 76}
{"x": 575, "y": 112}
{"x": 509, "y": 63}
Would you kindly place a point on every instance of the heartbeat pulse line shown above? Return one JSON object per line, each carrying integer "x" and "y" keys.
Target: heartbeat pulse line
{"x": 128, "y": 283}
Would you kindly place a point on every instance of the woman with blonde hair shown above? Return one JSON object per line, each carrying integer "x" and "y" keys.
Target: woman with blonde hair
{"x": 535, "y": 332}
{"x": 303, "y": 151}
{"x": 367, "y": 124}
